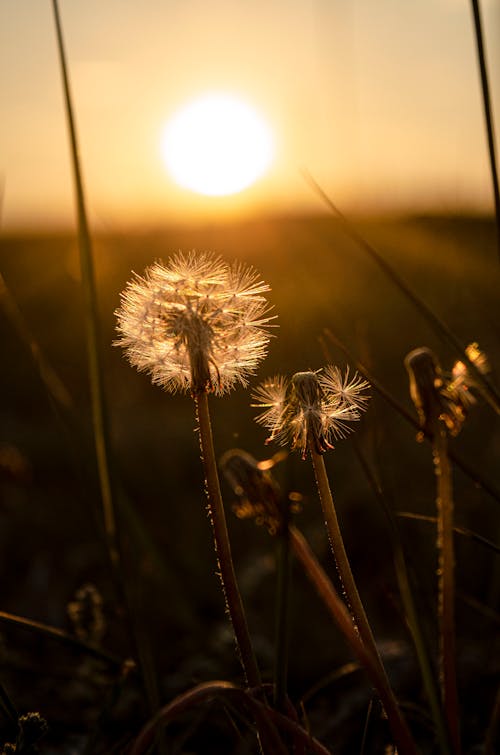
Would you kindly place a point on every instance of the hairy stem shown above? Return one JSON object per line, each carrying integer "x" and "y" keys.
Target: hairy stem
{"x": 399, "y": 728}
{"x": 446, "y": 583}
{"x": 222, "y": 545}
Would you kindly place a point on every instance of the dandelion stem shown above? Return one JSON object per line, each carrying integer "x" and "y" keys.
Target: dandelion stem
{"x": 446, "y": 582}
{"x": 222, "y": 544}
{"x": 399, "y": 728}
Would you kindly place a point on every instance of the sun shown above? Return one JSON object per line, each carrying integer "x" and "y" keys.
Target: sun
{"x": 217, "y": 144}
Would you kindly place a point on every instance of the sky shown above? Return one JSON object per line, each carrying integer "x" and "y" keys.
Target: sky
{"x": 378, "y": 99}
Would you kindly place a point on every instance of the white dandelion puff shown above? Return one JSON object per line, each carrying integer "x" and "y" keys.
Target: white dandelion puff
{"x": 195, "y": 323}
{"x": 315, "y": 407}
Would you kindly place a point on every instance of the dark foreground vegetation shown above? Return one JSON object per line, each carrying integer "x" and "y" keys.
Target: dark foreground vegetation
{"x": 52, "y": 540}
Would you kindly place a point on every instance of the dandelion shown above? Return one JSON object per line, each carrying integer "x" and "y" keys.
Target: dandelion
{"x": 312, "y": 407}
{"x": 447, "y": 397}
{"x": 441, "y": 406}
{"x": 310, "y": 412}
{"x": 199, "y": 324}
{"x": 259, "y": 497}
{"x": 196, "y": 323}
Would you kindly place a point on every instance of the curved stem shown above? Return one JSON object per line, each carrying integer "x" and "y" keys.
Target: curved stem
{"x": 399, "y": 728}
{"x": 267, "y": 719}
{"x": 222, "y": 545}
{"x": 446, "y": 583}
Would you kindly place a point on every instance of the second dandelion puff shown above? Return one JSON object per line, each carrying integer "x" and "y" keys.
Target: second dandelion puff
{"x": 311, "y": 407}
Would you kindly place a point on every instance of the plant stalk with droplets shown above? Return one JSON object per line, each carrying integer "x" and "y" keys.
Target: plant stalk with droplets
{"x": 200, "y": 325}
{"x": 310, "y": 412}
{"x": 440, "y": 414}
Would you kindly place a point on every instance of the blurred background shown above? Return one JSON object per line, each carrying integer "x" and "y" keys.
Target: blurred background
{"x": 382, "y": 105}
{"x": 380, "y": 102}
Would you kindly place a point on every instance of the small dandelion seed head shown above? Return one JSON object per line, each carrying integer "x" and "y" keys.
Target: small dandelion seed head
{"x": 195, "y": 323}
{"x": 315, "y": 407}
{"x": 437, "y": 396}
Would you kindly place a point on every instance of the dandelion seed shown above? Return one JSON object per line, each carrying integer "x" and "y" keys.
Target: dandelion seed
{"x": 196, "y": 323}
{"x": 312, "y": 406}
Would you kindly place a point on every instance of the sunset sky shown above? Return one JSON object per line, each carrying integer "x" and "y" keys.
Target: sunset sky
{"x": 378, "y": 99}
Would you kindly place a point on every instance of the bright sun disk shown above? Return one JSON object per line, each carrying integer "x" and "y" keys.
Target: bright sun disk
{"x": 217, "y": 144}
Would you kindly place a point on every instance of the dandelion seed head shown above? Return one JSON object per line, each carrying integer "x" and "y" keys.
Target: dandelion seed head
{"x": 436, "y": 396}
{"x": 195, "y": 323}
{"x": 315, "y": 407}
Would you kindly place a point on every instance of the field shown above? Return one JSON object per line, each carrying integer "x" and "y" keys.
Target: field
{"x": 52, "y": 537}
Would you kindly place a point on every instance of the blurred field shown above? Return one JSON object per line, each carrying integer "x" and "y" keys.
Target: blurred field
{"x": 51, "y": 535}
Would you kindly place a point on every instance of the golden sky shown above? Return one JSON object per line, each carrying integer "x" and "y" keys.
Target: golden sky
{"x": 378, "y": 99}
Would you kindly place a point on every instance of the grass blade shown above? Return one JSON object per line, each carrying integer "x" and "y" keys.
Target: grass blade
{"x": 456, "y": 528}
{"x": 488, "y": 113}
{"x": 61, "y": 636}
{"x": 99, "y": 414}
{"x": 410, "y": 609}
{"x": 99, "y": 418}
{"x": 377, "y": 386}
{"x": 438, "y": 325}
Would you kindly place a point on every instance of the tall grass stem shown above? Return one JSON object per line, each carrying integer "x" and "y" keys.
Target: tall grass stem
{"x": 410, "y": 609}
{"x": 439, "y": 326}
{"x": 60, "y": 636}
{"x": 99, "y": 418}
{"x": 99, "y": 414}
{"x": 377, "y": 386}
{"x": 488, "y": 112}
